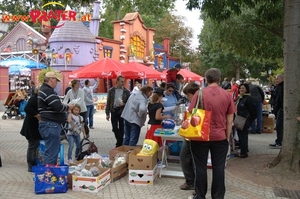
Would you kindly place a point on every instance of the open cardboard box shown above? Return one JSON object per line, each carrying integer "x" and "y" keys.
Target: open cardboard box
{"x": 137, "y": 162}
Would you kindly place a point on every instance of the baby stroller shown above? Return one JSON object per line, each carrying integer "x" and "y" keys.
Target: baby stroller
{"x": 15, "y": 105}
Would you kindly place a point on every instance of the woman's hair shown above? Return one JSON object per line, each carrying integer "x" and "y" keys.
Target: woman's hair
{"x": 76, "y": 106}
{"x": 163, "y": 84}
{"x": 213, "y": 75}
{"x": 86, "y": 82}
{"x": 191, "y": 88}
{"x": 145, "y": 89}
{"x": 246, "y": 86}
{"x": 37, "y": 88}
{"x": 170, "y": 85}
{"x": 155, "y": 97}
{"x": 74, "y": 82}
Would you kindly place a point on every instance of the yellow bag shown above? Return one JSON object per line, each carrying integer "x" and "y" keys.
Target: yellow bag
{"x": 196, "y": 125}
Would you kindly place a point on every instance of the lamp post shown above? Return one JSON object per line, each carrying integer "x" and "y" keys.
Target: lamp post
{"x": 48, "y": 53}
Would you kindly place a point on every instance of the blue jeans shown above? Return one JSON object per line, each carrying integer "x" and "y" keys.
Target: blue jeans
{"x": 132, "y": 133}
{"x": 90, "y": 116}
{"x": 71, "y": 140}
{"x": 50, "y": 132}
{"x": 258, "y": 126}
{"x": 218, "y": 151}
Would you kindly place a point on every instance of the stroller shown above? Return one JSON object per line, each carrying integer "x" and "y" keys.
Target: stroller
{"x": 15, "y": 105}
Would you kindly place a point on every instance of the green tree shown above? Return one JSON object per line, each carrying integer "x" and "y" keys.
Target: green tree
{"x": 289, "y": 156}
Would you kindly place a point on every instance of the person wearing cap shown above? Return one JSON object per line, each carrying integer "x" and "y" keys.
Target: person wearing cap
{"x": 52, "y": 114}
{"x": 134, "y": 115}
{"x": 172, "y": 72}
{"x": 235, "y": 90}
{"x": 155, "y": 112}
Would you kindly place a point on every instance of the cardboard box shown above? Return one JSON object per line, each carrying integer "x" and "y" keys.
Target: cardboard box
{"x": 268, "y": 124}
{"x": 122, "y": 150}
{"x": 143, "y": 177}
{"x": 141, "y": 162}
{"x": 118, "y": 172}
{"x": 91, "y": 184}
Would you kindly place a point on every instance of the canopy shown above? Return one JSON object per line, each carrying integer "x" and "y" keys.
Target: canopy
{"x": 19, "y": 70}
{"x": 106, "y": 68}
{"x": 20, "y": 61}
{"x": 187, "y": 75}
{"x": 149, "y": 72}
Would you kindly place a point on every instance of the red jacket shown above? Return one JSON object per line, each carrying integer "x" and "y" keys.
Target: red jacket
{"x": 171, "y": 75}
{"x": 235, "y": 92}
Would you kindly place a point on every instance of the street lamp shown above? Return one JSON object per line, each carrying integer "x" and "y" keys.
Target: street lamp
{"x": 48, "y": 53}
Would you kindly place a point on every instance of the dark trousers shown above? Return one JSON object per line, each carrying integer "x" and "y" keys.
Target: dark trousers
{"x": 218, "y": 150}
{"x": 243, "y": 140}
{"x": 84, "y": 115}
{"x": 187, "y": 163}
{"x": 117, "y": 123}
{"x": 32, "y": 153}
{"x": 279, "y": 127}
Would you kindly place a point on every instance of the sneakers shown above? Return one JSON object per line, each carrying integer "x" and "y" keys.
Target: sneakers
{"x": 91, "y": 127}
{"x": 275, "y": 146}
{"x": 70, "y": 161}
{"x": 186, "y": 187}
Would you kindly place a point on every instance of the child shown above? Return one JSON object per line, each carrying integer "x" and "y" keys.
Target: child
{"x": 75, "y": 128}
{"x": 155, "y": 109}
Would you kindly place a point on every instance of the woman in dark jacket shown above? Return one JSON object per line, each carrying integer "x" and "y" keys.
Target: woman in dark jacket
{"x": 246, "y": 107}
{"x": 30, "y": 129}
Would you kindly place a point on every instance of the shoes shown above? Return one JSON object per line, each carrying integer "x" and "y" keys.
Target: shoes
{"x": 252, "y": 132}
{"x": 70, "y": 161}
{"x": 186, "y": 187}
{"x": 160, "y": 165}
{"x": 258, "y": 132}
{"x": 275, "y": 146}
{"x": 241, "y": 155}
{"x": 91, "y": 127}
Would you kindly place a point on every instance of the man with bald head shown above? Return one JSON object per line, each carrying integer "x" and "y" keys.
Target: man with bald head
{"x": 278, "y": 110}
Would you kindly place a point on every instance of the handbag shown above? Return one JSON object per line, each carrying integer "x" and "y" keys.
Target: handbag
{"x": 92, "y": 148}
{"x": 239, "y": 122}
{"x": 50, "y": 179}
{"x": 196, "y": 125}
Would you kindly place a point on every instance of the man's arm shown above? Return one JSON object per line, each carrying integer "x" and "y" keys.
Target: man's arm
{"x": 229, "y": 120}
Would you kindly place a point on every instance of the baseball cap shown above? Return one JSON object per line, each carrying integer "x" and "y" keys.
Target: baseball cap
{"x": 53, "y": 75}
{"x": 238, "y": 82}
{"x": 159, "y": 91}
{"x": 178, "y": 66}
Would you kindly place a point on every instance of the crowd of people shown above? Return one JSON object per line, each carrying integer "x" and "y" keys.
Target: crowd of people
{"x": 128, "y": 112}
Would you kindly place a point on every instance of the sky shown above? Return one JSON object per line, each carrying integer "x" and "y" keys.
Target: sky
{"x": 192, "y": 19}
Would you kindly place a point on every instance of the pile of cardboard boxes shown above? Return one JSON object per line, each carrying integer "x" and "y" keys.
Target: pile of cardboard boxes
{"x": 142, "y": 170}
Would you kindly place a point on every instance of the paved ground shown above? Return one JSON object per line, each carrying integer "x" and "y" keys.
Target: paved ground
{"x": 16, "y": 182}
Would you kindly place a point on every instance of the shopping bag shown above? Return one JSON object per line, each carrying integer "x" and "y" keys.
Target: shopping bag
{"x": 92, "y": 148}
{"x": 196, "y": 125}
{"x": 50, "y": 179}
{"x": 239, "y": 122}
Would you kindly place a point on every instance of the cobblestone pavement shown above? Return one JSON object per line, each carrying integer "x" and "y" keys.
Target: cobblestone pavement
{"x": 16, "y": 182}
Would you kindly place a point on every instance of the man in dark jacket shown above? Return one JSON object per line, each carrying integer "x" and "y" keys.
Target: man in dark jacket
{"x": 53, "y": 114}
{"x": 117, "y": 97}
{"x": 278, "y": 109}
{"x": 258, "y": 95}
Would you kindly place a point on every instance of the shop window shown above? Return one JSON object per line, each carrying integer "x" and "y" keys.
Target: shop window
{"x": 139, "y": 46}
{"x": 107, "y": 51}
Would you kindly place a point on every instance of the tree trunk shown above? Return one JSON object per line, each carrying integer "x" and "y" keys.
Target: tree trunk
{"x": 289, "y": 155}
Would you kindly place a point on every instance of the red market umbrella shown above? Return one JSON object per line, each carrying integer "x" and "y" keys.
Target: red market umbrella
{"x": 149, "y": 72}
{"x": 187, "y": 75}
{"x": 106, "y": 68}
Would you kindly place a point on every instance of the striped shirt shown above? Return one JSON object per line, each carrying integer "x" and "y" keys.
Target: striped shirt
{"x": 50, "y": 106}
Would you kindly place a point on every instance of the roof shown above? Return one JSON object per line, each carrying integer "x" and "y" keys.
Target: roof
{"x": 132, "y": 16}
{"x": 72, "y": 31}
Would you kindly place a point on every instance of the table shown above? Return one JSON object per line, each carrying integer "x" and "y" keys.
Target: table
{"x": 169, "y": 171}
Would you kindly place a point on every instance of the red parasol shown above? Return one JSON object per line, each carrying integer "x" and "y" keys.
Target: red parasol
{"x": 106, "y": 68}
{"x": 149, "y": 72}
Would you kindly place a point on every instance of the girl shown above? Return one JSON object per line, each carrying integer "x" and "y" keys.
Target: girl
{"x": 75, "y": 128}
{"x": 155, "y": 109}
